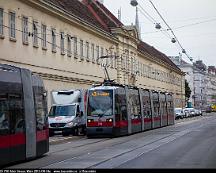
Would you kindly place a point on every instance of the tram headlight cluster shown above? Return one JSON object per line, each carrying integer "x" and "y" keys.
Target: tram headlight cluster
{"x": 109, "y": 120}
{"x": 90, "y": 120}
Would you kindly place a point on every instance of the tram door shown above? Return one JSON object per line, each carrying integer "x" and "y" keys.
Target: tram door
{"x": 146, "y": 108}
{"x": 170, "y": 109}
{"x": 156, "y": 110}
{"x": 134, "y": 111}
{"x": 121, "y": 119}
{"x": 163, "y": 110}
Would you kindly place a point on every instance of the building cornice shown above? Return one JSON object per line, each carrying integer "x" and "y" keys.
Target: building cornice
{"x": 164, "y": 64}
{"x": 70, "y": 18}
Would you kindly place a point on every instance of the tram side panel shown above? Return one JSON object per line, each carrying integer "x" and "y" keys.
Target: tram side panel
{"x": 163, "y": 109}
{"x": 121, "y": 120}
{"x": 41, "y": 113}
{"x": 146, "y": 106}
{"x": 156, "y": 110}
{"x": 170, "y": 109}
{"x": 134, "y": 111}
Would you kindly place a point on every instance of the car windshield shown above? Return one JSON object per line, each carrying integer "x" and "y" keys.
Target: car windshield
{"x": 178, "y": 110}
{"x": 100, "y": 103}
{"x": 68, "y": 110}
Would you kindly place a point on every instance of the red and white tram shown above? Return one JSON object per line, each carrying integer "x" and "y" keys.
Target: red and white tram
{"x": 23, "y": 115}
{"x": 121, "y": 110}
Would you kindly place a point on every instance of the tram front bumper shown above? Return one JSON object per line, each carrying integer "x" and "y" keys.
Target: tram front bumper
{"x": 94, "y": 131}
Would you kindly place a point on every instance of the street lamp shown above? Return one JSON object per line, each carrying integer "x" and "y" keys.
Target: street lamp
{"x": 134, "y": 3}
{"x": 157, "y": 26}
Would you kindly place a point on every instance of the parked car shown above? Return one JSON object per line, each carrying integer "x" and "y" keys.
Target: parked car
{"x": 198, "y": 112}
{"x": 190, "y": 112}
{"x": 186, "y": 112}
{"x": 179, "y": 113}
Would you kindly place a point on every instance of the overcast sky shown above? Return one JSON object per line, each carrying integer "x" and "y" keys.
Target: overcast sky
{"x": 198, "y": 37}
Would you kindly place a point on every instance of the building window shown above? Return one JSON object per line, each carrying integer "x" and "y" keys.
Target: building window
{"x": 132, "y": 65}
{"x": 53, "y": 40}
{"x": 87, "y": 51}
{"x": 1, "y": 21}
{"x": 92, "y": 52}
{"x": 111, "y": 58}
{"x": 62, "y": 43}
{"x": 35, "y": 34}
{"x": 81, "y": 49}
{"x": 75, "y": 46}
{"x": 102, "y": 51}
{"x": 12, "y": 26}
{"x": 43, "y": 35}
{"x": 116, "y": 60}
{"x": 69, "y": 45}
{"x": 25, "y": 30}
{"x": 101, "y": 54}
{"x": 108, "y": 59}
{"x": 127, "y": 61}
{"x": 97, "y": 55}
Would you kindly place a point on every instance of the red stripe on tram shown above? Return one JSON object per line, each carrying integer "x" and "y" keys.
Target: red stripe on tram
{"x": 12, "y": 140}
{"x": 164, "y": 116}
{"x": 99, "y": 124}
{"x": 136, "y": 121}
{"x": 157, "y": 118}
{"x": 42, "y": 135}
{"x": 146, "y": 120}
{"x": 121, "y": 123}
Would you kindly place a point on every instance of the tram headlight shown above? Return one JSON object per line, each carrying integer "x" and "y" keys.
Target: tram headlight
{"x": 90, "y": 120}
{"x": 109, "y": 120}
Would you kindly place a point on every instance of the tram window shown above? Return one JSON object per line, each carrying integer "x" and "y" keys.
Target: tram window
{"x": 40, "y": 108}
{"x": 100, "y": 102}
{"x": 146, "y": 104}
{"x": 163, "y": 104}
{"x": 156, "y": 104}
{"x": 134, "y": 104}
{"x": 4, "y": 115}
{"x": 120, "y": 106}
{"x": 17, "y": 123}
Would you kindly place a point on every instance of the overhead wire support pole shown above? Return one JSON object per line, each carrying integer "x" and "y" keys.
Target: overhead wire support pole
{"x": 105, "y": 66}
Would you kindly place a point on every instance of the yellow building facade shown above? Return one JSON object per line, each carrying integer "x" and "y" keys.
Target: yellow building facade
{"x": 69, "y": 49}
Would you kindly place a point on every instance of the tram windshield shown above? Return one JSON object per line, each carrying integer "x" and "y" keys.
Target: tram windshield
{"x": 68, "y": 110}
{"x": 100, "y": 103}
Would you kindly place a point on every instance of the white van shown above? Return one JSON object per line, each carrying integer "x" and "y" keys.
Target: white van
{"x": 67, "y": 113}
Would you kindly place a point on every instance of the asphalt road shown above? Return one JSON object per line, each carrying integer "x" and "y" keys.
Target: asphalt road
{"x": 190, "y": 143}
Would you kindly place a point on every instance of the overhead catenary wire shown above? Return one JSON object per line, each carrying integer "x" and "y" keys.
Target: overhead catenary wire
{"x": 183, "y": 26}
{"x": 183, "y": 50}
{"x": 152, "y": 20}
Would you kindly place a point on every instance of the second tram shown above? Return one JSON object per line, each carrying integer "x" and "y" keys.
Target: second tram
{"x": 23, "y": 115}
{"x": 122, "y": 110}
